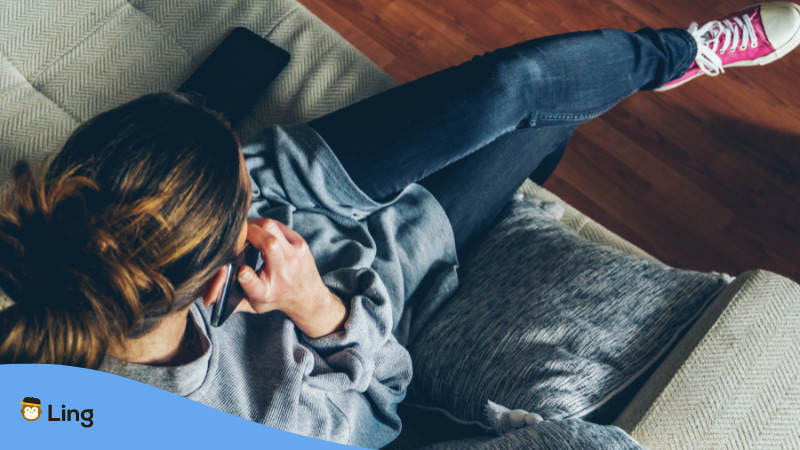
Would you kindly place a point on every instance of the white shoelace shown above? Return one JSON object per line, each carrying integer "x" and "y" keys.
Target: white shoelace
{"x": 728, "y": 34}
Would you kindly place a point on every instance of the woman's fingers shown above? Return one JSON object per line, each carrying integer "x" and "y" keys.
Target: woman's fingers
{"x": 270, "y": 246}
{"x": 269, "y": 226}
{"x": 289, "y": 234}
{"x": 289, "y": 279}
{"x": 256, "y": 286}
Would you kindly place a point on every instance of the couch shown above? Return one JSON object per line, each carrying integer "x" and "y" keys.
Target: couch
{"x": 730, "y": 381}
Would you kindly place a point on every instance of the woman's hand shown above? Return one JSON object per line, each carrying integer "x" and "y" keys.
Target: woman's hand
{"x": 289, "y": 281}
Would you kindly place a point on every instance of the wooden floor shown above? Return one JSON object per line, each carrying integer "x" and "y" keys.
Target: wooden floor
{"x": 703, "y": 177}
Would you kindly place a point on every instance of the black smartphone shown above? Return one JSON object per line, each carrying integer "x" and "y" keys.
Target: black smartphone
{"x": 232, "y": 293}
{"x": 236, "y": 73}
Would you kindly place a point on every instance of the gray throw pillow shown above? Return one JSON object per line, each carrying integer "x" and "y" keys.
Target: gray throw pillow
{"x": 550, "y": 434}
{"x": 549, "y": 322}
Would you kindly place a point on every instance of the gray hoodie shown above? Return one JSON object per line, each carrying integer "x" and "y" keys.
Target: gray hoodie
{"x": 394, "y": 262}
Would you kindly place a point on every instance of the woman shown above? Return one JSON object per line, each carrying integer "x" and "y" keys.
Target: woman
{"x": 359, "y": 216}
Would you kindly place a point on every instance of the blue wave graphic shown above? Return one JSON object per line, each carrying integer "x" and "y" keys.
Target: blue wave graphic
{"x": 124, "y": 414}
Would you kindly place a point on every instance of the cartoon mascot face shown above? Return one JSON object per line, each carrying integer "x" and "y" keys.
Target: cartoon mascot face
{"x": 31, "y": 408}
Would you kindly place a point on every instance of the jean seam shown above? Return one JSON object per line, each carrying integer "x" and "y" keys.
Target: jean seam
{"x": 573, "y": 116}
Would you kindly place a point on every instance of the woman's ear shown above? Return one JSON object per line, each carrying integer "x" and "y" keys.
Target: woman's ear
{"x": 214, "y": 286}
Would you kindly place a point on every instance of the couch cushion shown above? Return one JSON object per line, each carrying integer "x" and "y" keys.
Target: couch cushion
{"x": 64, "y": 61}
{"x": 31, "y": 125}
{"x": 88, "y": 56}
{"x": 549, "y": 322}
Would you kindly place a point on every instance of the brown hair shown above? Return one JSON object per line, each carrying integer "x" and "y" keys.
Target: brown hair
{"x": 134, "y": 215}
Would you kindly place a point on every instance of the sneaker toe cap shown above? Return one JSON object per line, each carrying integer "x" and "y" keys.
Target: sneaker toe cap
{"x": 781, "y": 23}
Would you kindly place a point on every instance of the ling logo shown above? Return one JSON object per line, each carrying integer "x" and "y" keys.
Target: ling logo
{"x": 32, "y": 410}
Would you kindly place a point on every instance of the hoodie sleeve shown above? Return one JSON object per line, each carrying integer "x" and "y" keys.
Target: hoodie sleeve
{"x": 362, "y": 371}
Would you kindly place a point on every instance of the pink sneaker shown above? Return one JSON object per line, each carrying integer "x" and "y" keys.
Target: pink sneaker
{"x": 753, "y": 36}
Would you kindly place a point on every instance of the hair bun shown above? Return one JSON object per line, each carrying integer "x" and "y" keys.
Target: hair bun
{"x": 48, "y": 248}
{"x": 50, "y": 237}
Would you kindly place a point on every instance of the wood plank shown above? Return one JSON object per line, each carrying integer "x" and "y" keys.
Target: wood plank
{"x": 361, "y": 40}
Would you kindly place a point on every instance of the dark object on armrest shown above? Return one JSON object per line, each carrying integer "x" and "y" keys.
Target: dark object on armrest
{"x": 236, "y": 73}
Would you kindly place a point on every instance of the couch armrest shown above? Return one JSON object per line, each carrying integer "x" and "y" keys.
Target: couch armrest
{"x": 732, "y": 381}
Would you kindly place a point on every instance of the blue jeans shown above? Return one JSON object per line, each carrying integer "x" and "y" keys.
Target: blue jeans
{"x": 471, "y": 134}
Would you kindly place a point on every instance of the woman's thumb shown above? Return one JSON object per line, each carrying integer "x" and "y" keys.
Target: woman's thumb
{"x": 253, "y": 287}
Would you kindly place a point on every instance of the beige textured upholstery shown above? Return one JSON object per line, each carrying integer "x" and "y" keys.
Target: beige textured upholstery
{"x": 739, "y": 387}
{"x": 64, "y": 61}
